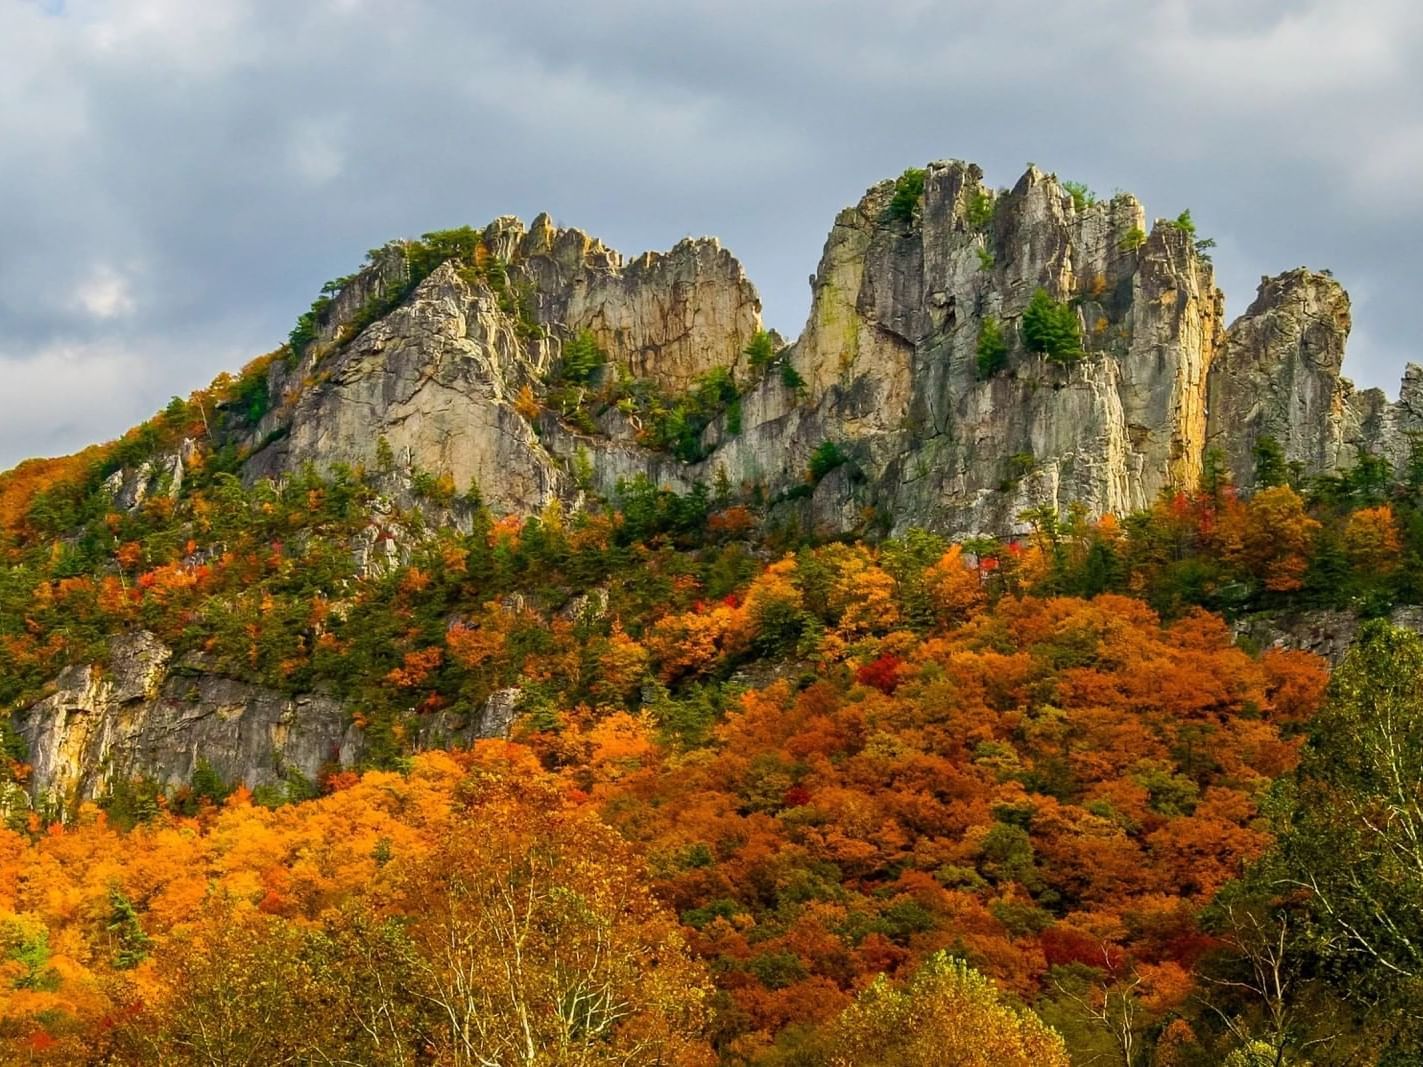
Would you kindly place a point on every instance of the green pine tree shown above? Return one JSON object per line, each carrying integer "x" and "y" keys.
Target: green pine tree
{"x": 1052, "y": 328}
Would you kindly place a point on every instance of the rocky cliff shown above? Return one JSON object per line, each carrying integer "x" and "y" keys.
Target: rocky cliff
{"x": 887, "y": 361}
{"x": 144, "y": 715}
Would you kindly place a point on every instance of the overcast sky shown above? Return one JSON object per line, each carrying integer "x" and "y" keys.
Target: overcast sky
{"x": 179, "y": 177}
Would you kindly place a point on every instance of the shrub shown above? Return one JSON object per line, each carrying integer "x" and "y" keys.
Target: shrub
{"x": 1187, "y": 225}
{"x": 826, "y": 457}
{"x": 1082, "y": 197}
{"x": 526, "y": 403}
{"x": 790, "y": 377}
{"x": 675, "y": 424}
{"x": 1184, "y": 223}
{"x": 581, "y": 357}
{"x": 252, "y": 397}
{"x": 908, "y": 190}
{"x": 1134, "y": 239}
{"x": 304, "y": 332}
{"x": 985, "y": 259}
{"x": 1051, "y": 327}
{"x": 760, "y": 351}
{"x": 992, "y": 348}
{"x": 979, "y": 210}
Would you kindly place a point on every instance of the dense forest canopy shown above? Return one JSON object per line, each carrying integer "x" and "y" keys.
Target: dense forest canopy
{"x": 769, "y": 798}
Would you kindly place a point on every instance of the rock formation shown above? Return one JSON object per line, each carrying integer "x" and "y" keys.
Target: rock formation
{"x": 889, "y": 355}
{"x": 1278, "y": 376}
{"x": 143, "y": 715}
{"x": 887, "y": 358}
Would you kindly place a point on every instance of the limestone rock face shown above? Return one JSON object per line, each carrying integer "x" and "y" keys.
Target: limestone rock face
{"x": 667, "y": 317}
{"x": 455, "y": 381}
{"x": 144, "y": 715}
{"x": 140, "y": 717}
{"x": 433, "y": 385}
{"x": 130, "y": 487}
{"x": 889, "y": 358}
{"x": 1325, "y": 632}
{"x": 435, "y": 380}
{"x": 1278, "y": 375}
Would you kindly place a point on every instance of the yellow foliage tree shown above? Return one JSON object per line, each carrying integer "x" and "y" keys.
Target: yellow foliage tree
{"x": 954, "y": 588}
{"x": 948, "y": 1015}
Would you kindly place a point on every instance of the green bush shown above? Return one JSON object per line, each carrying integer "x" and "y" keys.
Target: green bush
{"x": 1184, "y": 223}
{"x": 581, "y": 357}
{"x": 1020, "y": 465}
{"x": 992, "y": 348}
{"x": 1051, "y": 327}
{"x": 252, "y": 397}
{"x": 304, "y": 332}
{"x": 979, "y": 210}
{"x": 760, "y": 352}
{"x": 908, "y": 191}
{"x": 677, "y": 425}
{"x": 826, "y": 457}
{"x": 1134, "y": 239}
{"x": 1082, "y": 197}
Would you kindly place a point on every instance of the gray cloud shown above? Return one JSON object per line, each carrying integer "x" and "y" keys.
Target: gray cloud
{"x": 178, "y": 179}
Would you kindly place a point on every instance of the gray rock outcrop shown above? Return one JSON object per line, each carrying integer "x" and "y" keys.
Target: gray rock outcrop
{"x": 454, "y": 381}
{"x": 1278, "y": 375}
{"x": 142, "y": 715}
{"x": 889, "y": 358}
{"x": 145, "y": 715}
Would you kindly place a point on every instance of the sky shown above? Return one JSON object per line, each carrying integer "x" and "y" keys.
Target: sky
{"x": 178, "y": 179}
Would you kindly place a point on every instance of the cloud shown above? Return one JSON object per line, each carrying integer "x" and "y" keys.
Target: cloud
{"x": 105, "y": 294}
{"x": 177, "y": 180}
{"x": 69, "y": 395}
{"x": 316, "y": 152}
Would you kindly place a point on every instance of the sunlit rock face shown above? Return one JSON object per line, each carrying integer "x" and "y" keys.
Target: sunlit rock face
{"x": 145, "y": 715}
{"x": 1278, "y": 376}
{"x": 455, "y": 380}
{"x": 890, "y": 356}
{"x": 141, "y": 715}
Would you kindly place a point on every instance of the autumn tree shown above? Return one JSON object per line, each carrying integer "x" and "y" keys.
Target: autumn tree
{"x": 238, "y": 991}
{"x": 1275, "y": 538}
{"x": 955, "y": 588}
{"x": 947, "y": 1014}
{"x": 1371, "y": 541}
{"x": 537, "y": 941}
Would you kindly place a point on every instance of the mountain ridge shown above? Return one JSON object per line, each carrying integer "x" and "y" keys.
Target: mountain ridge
{"x": 448, "y": 351}
{"x": 461, "y": 375}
